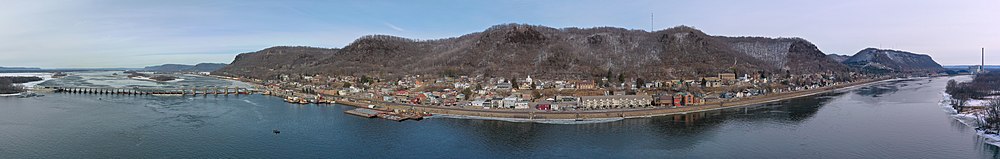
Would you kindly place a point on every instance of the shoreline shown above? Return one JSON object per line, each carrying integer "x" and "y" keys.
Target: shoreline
{"x": 970, "y": 119}
{"x": 601, "y": 115}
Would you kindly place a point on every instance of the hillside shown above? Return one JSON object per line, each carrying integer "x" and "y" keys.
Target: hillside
{"x": 885, "y": 60}
{"x": 201, "y": 67}
{"x": 517, "y": 50}
{"x": 838, "y": 58}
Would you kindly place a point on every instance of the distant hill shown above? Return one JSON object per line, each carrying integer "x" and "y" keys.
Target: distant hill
{"x": 885, "y": 60}
{"x": 201, "y": 67}
{"x": 19, "y": 68}
{"x": 517, "y": 50}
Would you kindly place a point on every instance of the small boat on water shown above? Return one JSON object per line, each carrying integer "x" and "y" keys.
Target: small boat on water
{"x": 276, "y": 131}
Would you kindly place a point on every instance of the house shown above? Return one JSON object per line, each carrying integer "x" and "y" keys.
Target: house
{"x": 744, "y": 78}
{"x": 521, "y": 105}
{"x": 710, "y": 82}
{"x": 685, "y": 99}
{"x": 419, "y": 99}
{"x": 586, "y": 84}
{"x": 696, "y": 100}
{"x": 478, "y": 103}
{"x": 663, "y": 100}
{"x": 564, "y": 106}
{"x": 509, "y": 102}
{"x": 504, "y": 86}
{"x": 727, "y": 76}
{"x": 388, "y": 98}
{"x": 460, "y": 85}
{"x": 524, "y": 86}
{"x": 688, "y": 99}
{"x": 545, "y": 106}
{"x": 678, "y": 99}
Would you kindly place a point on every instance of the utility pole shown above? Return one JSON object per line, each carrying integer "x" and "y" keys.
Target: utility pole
{"x": 651, "y": 22}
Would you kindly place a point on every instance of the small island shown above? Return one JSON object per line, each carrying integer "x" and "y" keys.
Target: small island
{"x": 159, "y": 78}
{"x": 163, "y": 78}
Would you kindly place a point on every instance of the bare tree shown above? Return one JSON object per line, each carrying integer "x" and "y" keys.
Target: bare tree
{"x": 991, "y": 118}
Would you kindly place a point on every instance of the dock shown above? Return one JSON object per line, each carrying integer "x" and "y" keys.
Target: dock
{"x": 368, "y": 113}
{"x": 388, "y": 115}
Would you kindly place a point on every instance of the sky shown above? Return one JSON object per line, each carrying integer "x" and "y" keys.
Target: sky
{"x": 130, "y": 33}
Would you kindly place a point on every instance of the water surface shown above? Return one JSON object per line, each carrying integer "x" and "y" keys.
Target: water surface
{"x": 900, "y": 119}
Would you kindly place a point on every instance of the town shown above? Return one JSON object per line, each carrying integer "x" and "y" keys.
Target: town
{"x": 531, "y": 94}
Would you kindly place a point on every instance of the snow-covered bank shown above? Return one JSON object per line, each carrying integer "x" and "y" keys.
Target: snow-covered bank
{"x": 10, "y": 95}
{"x": 544, "y": 121}
{"x": 971, "y": 119}
{"x": 29, "y": 85}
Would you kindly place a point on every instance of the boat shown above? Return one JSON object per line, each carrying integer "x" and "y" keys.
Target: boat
{"x": 276, "y": 131}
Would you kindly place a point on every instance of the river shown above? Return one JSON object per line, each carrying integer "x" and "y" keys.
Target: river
{"x": 898, "y": 119}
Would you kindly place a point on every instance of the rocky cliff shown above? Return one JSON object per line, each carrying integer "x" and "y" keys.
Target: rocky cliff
{"x": 517, "y": 50}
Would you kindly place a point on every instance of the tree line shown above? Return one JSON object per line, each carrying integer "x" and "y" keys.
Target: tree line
{"x": 8, "y": 87}
{"x": 22, "y": 79}
{"x": 981, "y": 87}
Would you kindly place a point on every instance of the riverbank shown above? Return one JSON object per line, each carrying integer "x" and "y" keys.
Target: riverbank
{"x": 969, "y": 118}
{"x": 973, "y": 115}
{"x": 598, "y": 115}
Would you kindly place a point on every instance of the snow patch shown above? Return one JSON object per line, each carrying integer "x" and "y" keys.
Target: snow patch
{"x": 150, "y": 79}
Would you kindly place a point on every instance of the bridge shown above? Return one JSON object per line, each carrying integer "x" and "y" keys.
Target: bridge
{"x": 154, "y": 91}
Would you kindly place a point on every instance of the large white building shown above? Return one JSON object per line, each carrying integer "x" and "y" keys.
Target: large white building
{"x": 615, "y": 101}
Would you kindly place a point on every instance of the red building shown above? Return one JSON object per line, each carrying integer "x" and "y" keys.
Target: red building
{"x": 678, "y": 99}
{"x": 684, "y": 99}
{"x": 543, "y": 106}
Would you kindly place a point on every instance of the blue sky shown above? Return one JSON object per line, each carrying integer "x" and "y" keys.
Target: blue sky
{"x": 110, "y": 33}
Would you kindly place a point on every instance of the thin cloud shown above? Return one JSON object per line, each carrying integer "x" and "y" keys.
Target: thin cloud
{"x": 394, "y": 27}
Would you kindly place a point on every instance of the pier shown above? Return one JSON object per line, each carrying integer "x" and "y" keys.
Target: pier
{"x": 193, "y": 91}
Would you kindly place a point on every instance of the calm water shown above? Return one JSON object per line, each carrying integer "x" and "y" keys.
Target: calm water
{"x": 888, "y": 120}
